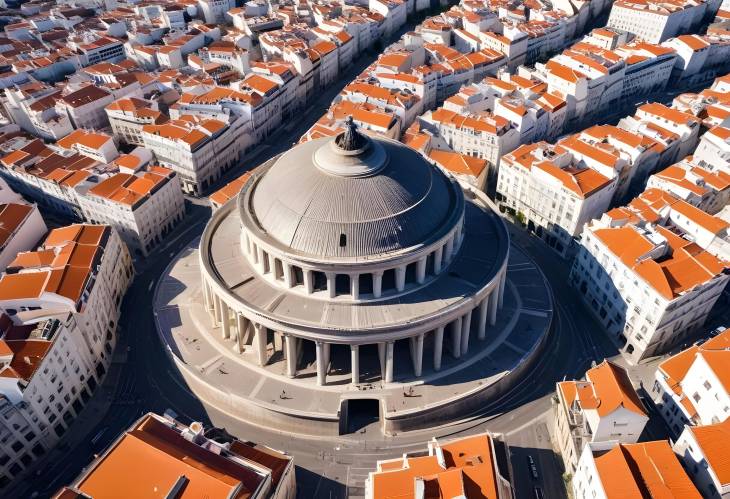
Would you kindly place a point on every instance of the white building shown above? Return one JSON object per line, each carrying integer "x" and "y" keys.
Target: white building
{"x": 703, "y": 450}
{"x": 21, "y": 227}
{"x": 648, "y": 286}
{"x": 47, "y": 375}
{"x": 214, "y": 11}
{"x": 142, "y": 207}
{"x": 603, "y": 407}
{"x": 657, "y": 21}
{"x": 552, "y": 191}
{"x": 128, "y": 116}
{"x": 611, "y": 470}
{"x": 199, "y": 151}
{"x": 85, "y": 107}
{"x": 691, "y": 387}
{"x": 481, "y": 135}
{"x": 61, "y": 302}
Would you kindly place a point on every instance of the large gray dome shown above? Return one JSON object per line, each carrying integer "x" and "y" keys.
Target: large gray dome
{"x": 321, "y": 199}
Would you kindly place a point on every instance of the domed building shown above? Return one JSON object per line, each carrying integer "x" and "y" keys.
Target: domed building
{"x": 344, "y": 266}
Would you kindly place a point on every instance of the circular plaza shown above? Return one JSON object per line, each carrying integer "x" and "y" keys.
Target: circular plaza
{"x": 350, "y": 281}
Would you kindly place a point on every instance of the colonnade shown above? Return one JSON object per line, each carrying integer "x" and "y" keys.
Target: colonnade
{"x": 353, "y": 285}
{"x": 456, "y": 336}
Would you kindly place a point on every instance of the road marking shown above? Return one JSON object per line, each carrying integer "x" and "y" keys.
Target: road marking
{"x": 536, "y": 313}
{"x": 152, "y": 283}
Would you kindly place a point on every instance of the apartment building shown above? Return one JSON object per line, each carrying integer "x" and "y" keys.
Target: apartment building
{"x": 707, "y": 190}
{"x": 465, "y": 467}
{"x": 228, "y": 191}
{"x": 658, "y": 21}
{"x": 609, "y": 470}
{"x": 198, "y": 150}
{"x": 604, "y": 407}
{"x": 640, "y": 153}
{"x": 47, "y": 375}
{"x": 33, "y": 107}
{"x": 142, "y": 207}
{"x": 703, "y": 451}
{"x": 21, "y": 227}
{"x": 85, "y": 107}
{"x": 481, "y": 135}
{"x": 214, "y": 11}
{"x": 95, "y": 145}
{"x": 713, "y": 151}
{"x": 162, "y": 453}
{"x": 691, "y": 387}
{"x": 685, "y": 125}
{"x": 128, "y": 116}
{"x": 552, "y": 192}
{"x": 61, "y": 301}
{"x": 466, "y": 169}
{"x": 650, "y": 287}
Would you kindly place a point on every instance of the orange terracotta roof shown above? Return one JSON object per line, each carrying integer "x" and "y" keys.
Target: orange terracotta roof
{"x": 12, "y": 217}
{"x": 457, "y": 163}
{"x": 648, "y": 469}
{"x": 27, "y": 357}
{"x": 230, "y": 190}
{"x": 468, "y": 472}
{"x": 157, "y": 456}
{"x": 713, "y": 441}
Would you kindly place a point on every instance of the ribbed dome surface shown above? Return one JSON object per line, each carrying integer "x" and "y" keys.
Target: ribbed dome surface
{"x": 306, "y": 208}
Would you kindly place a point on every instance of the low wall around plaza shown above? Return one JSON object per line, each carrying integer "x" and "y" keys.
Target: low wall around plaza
{"x": 466, "y": 405}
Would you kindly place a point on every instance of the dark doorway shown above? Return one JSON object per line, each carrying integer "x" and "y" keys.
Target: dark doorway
{"x": 358, "y": 414}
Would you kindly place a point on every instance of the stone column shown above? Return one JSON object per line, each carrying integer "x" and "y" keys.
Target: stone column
{"x": 493, "y": 303}
{"x": 206, "y": 296}
{"x": 225, "y": 321}
{"x": 272, "y": 265}
{"x": 438, "y": 346}
{"x": 291, "y": 355}
{"x": 261, "y": 341}
{"x": 456, "y": 338}
{"x": 287, "y": 269}
{"x": 216, "y": 310}
{"x": 255, "y": 253}
{"x": 465, "y": 330}
{"x": 400, "y": 278}
{"x": 331, "y": 280}
{"x": 389, "y": 351}
{"x": 502, "y": 285}
{"x": 260, "y": 261}
{"x": 279, "y": 342}
{"x": 381, "y": 358}
{"x": 241, "y": 325}
{"x": 308, "y": 281}
{"x": 355, "y": 363}
{"x": 377, "y": 284}
{"x": 449, "y": 248}
{"x": 417, "y": 355}
{"x": 355, "y": 286}
{"x": 421, "y": 270}
{"x": 483, "y": 307}
{"x": 321, "y": 366}
{"x": 438, "y": 257}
